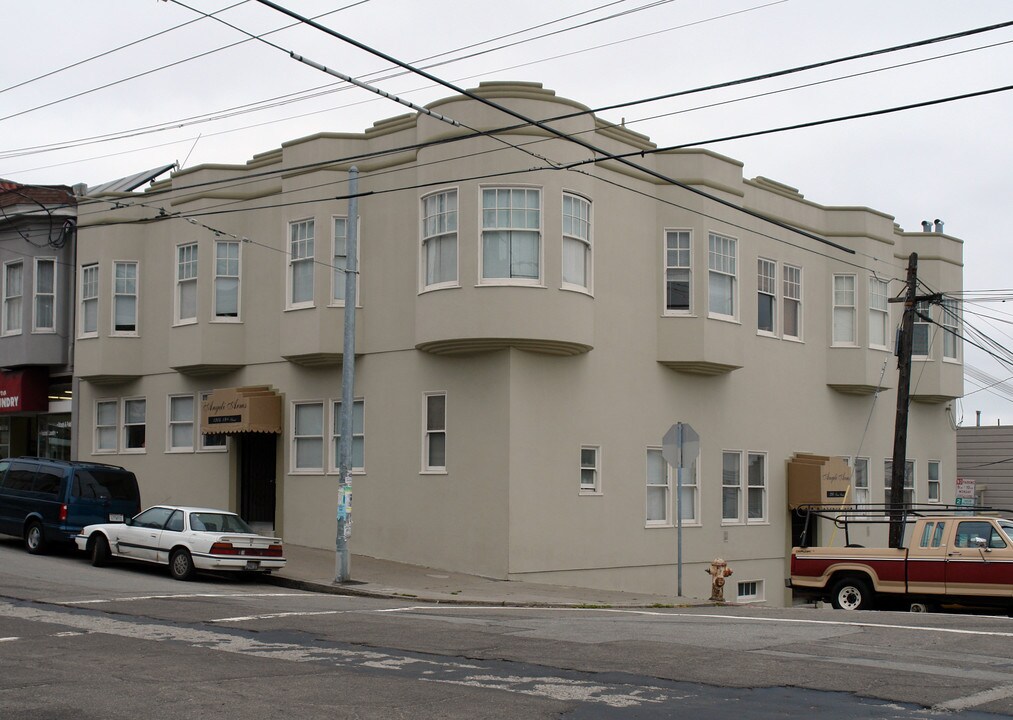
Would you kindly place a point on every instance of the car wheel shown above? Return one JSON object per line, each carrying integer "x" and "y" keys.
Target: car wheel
{"x": 99, "y": 551}
{"x": 35, "y": 540}
{"x": 181, "y": 564}
{"x": 851, "y": 593}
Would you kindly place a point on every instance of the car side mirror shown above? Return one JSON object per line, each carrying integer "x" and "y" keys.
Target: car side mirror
{"x": 980, "y": 543}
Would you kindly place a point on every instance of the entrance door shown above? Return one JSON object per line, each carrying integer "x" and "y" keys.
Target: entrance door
{"x": 257, "y": 458}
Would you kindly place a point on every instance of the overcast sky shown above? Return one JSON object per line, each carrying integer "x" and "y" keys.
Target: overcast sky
{"x": 949, "y": 161}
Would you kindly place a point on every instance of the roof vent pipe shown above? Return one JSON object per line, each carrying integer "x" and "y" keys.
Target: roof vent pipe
{"x": 926, "y": 226}
{"x": 939, "y": 225}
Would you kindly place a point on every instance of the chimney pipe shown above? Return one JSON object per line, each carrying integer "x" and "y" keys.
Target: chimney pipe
{"x": 926, "y": 226}
{"x": 977, "y": 422}
{"x": 939, "y": 225}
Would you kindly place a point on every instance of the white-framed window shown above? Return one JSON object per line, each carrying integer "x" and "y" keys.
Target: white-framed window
{"x": 358, "y": 461}
{"x": 879, "y": 313}
{"x": 659, "y": 489}
{"x": 590, "y": 470}
{"x": 211, "y": 443}
{"x": 227, "y": 268}
{"x": 125, "y": 294}
{"x": 951, "y": 330}
{"x": 339, "y": 259}
{"x": 186, "y": 283}
{"x": 934, "y": 481}
{"x": 134, "y": 425}
{"x": 721, "y": 263}
{"x": 511, "y": 235}
{"x": 434, "y": 443}
{"x": 308, "y": 437}
{"x": 921, "y": 337}
{"x": 44, "y": 316}
{"x": 749, "y": 591}
{"x": 181, "y": 424}
{"x": 678, "y": 272}
{"x": 766, "y": 296}
{"x": 89, "y": 300}
{"x": 13, "y": 293}
{"x": 844, "y": 310}
{"x": 690, "y": 493}
{"x": 731, "y": 486}
{"x": 576, "y": 242}
{"x": 301, "y": 255}
{"x": 860, "y": 478}
{"x": 756, "y": 487}
{"x": 909, "y": 481}
{"x": 439, "y": 239}
{"x": 791, "y": 317}
{"x": 106, "y": 425}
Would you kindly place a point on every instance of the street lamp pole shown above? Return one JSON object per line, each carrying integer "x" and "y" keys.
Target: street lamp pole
{"x": 342, "y": 560}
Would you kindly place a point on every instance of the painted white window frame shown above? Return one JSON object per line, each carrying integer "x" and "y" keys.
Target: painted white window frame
{"x": 921, "y": 332}
{"x": 112, "y": 429}
{"x": 658, "y": 478}
{"x": 304, "y": 436}
{"x": 174, "y": 423}
{"x": 301, "y": 254}
{"x": 127, "y": 445}
{"x": 228, "y": 270}
{"x": 879, "y": 314}
{"x": 578, "y": 238}
{"x": 88, "y": 300}
{"x": 909, "y": 480}
{"x": 756, "y": 586}
{"x": 491, "y": 218}
{"x": 731, "y": 461}
{"x": 358, "y": 434}
{"x": 339, "y": 259}
{"x": 951, "y": 330}
{"x": 678, "y": 269}
{"x": 757, "y": 486}
{"x": 13, "y": 300}
{"x": 690, "y": 494}
{"x": 208, "y": 443}
{"x": 791, "y": 293}
{"x": 130, "y": 292}
{"x": 934, "y": 485}
{"x": 187, "y": 267}
{"x": 439, "y": 232}
{"x": 722, "y": 276}
{"x": 843, "y": 299}
{"x": 862, "y": 486}
{"x": 590, "y": 470}
{"x": 41, "y": 296}
{"x": 766, "y": 293}
{"x": 433, "y": 434}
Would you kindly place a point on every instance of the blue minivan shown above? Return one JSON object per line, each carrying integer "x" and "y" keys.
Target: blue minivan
{"x": 47, "y": 501}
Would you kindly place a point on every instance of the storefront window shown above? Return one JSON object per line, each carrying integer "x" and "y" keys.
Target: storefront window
{"x": 5, "y": 437}
{"x": 54, "y": 436}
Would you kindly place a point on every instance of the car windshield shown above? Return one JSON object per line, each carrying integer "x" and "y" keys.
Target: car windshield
{"x": 218, "y": 522}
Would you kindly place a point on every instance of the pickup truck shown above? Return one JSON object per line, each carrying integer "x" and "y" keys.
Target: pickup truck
{"x": 951, "y": 559}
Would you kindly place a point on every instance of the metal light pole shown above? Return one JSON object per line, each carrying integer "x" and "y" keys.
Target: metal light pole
{"x": 342, "y": 560}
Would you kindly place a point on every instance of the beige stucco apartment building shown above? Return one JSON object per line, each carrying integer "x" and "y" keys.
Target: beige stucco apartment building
{"x": 525, "y": 337}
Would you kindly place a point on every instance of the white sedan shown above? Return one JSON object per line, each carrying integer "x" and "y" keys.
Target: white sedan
{"x": 186, "y": 539}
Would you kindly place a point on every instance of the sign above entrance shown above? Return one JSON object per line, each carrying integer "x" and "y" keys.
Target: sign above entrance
{"x": 24, "y": 390}
{"x": 241, "y": 410}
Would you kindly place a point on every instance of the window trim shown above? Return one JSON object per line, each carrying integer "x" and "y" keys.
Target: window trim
{"x": 739, "y": 518}
{"x": 124, "y": 426}
{"x": 879, "y": 316}
{"x": 854, "y": 481}
{"x": 202, "y": 445}
{"x": 294, "y": 468}
{"x": 926, "y": 307}
{"x": 677, "y": 312}
{"x": 951, "y": 321}
{"x": 170, "y": 424}
{"x": 96, "y": 449}
{"x": 938, "y": 482}
{"x": 913, "y": 476}
{"x": 853, "y": 307}
{"x": 785, "y": 298}
{"x": 81, "y": 331}
{"x": 428, "y": 469}
{"x": 764, "y": 518}
{"x": 538, "y": 281}
{"x": 215, "y": 315}
{"x": 425, "y": 286}
{"x": 595, "y": 488}
{"x": 734, "y": 275}
{"x": 192, "y": 261}
{"x": 773, "y": 294}
{"x": 6, "y": 331}
{"x": 759, "y": 595}
{"x": 36, "y": 295}
{"x": 136, "y": 296}
{"x": 290, "y": 266}
{"x": 588, "y": 244}
{"x": 333, "y": 301}
{"x": 669, "y": 519}
{"x": 334, "y": 436}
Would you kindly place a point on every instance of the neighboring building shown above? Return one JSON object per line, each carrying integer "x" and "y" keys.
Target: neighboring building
{"x": 985, "y": 456}
{"x": 525, "y": 338}
{"x": 36, "y": 338}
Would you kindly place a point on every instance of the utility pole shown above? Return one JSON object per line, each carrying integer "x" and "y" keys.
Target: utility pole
{"x": 905, "y": 345}
{"x": 342, "y": 560}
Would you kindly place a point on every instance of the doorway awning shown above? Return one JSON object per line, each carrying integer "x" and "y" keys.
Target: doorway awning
{"x": 229, "y": 411}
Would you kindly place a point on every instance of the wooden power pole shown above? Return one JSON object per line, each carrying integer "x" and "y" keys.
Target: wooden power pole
{"x": 905, "y": 344}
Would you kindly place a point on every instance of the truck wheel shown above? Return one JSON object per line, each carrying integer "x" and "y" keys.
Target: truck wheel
{"x": 851, "y": 593}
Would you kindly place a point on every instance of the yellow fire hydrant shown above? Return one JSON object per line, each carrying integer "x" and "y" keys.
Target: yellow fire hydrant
{"x": 718, "y": 571}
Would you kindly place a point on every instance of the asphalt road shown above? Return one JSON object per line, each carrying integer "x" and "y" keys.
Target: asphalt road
{"x": 127, "y": 641}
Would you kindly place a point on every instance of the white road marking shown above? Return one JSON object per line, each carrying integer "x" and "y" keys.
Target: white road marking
{"x": 180, "y": 596}
{"x": 958, "y": 704}
{"x": 271, "y": 616}
{"x": 9, "y": 639}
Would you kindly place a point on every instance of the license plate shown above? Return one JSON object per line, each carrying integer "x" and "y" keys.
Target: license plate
{"x": 252, "y": 565}
{"x": 115, "y": 517}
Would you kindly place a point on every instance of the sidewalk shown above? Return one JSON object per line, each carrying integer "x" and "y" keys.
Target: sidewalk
{"x": 314, "y": 570}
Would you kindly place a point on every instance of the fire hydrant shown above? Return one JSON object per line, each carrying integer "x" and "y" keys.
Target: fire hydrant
{"x": 718, "y": 571}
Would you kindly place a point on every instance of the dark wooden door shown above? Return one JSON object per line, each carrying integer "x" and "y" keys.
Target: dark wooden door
{"x": 257, "y": 459}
